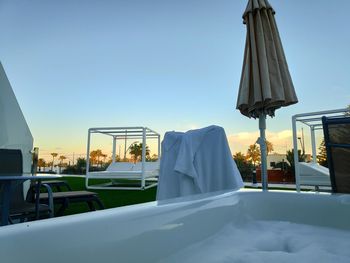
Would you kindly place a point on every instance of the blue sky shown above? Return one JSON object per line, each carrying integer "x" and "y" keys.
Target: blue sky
{"x": 168, "y": 65}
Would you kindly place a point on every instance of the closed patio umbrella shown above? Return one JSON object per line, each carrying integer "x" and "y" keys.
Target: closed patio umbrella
{"x": 266, "y": 84}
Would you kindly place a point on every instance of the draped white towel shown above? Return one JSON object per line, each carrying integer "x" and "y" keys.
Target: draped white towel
{"x": 198, "y": 161}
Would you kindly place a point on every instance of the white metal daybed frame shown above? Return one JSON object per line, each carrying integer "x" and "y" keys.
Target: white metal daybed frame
{"x": 144, "y": 176}
{"x": 314, "y": 121}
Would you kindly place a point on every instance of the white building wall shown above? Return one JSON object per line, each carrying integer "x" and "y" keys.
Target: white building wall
{"x": 275, "y": 158}
{"x": 14, "y": 131}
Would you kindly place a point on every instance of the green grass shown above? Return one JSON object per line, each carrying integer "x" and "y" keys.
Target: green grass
{"x": 114, "y": 198}
{"x": 110, "y": 198}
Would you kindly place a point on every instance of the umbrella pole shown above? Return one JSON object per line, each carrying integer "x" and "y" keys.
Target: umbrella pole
{"x": 262, "y": 142}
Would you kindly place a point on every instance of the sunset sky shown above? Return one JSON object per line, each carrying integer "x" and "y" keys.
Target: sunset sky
{"x": 165, "y": 64}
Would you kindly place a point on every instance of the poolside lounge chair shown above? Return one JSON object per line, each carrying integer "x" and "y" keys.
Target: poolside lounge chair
{"x": 57, "y": 184}
{"x": 11, "y": 163}
{"x": 63, "y": 198}
{"x": 337, "y": 141}
{"x": 66, "y": 198}
{"x": 124, "y": 175}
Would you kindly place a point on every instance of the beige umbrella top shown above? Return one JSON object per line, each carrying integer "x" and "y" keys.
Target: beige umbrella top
{"x": 266, "y": 84}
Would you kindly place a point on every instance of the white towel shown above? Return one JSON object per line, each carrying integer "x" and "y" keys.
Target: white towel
{"x": 198, "y": 161}
{"x": 171, "y": 183}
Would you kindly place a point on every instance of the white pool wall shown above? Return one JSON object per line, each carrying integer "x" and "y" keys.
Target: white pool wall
{"x": 150, "y": 232}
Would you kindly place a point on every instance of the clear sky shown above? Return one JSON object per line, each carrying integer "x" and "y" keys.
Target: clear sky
{"x": 165, "y": 64}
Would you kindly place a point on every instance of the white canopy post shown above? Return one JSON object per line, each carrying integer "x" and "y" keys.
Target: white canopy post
{"x": 296, "y": 157}
{"x": 313, "y": 143}
{"x": 114, "y": 148}
{"x": 143, "y": 157}
{"x": 126, "y": 134}
{"x": 158, "y": 147}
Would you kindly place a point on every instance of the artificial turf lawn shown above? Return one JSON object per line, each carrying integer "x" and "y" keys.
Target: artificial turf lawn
{"x": 110, "y": 198}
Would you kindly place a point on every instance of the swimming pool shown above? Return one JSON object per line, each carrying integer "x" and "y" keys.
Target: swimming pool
{"x": 231, "y": 227}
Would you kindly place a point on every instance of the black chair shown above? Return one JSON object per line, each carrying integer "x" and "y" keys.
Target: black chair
{"x": 11, "y": 164}
{"x": 65, "y": 198}
{"x": 62, "y": 198}
{"x": 337, "y": 141}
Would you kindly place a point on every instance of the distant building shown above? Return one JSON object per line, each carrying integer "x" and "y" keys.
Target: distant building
{"x": 276, "y": 175}
{"x": 274, "y": 158}
{"x": 56, "y": 169}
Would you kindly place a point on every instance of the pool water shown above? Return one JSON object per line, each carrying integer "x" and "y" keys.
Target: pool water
{"x": 269, "y": 241}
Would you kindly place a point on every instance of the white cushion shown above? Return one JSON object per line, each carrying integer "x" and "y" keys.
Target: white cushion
{"x": 120, "y": 166}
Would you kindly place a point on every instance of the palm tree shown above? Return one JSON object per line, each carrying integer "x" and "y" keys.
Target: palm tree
{"x": 136, "y": 151}
{"x": 62, "y": 157}
{"x": 244, "y": 167}
{"x": 98, "y": 156}
{"x": 41, "y": 163}
{"x": 239, "y": 157}
{"x": 49, "y": 164}
{"x": 104, "y": 156}
{"x": 53, "y": 159}
{"x": 93, "y": 157}
{"x": 81, "y": 164}
{"x": 269, "y": 147}
{"x": 253, "y": 154}
{"x": 290, "y": 158}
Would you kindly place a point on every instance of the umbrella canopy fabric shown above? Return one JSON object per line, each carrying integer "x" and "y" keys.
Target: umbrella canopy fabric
{"x": 266, "y": 84}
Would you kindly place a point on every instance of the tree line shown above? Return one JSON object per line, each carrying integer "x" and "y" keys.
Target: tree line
{"x": 42, "y": 163}
{"x": 98, "y": 160}
{"x": 246, "y": 163}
